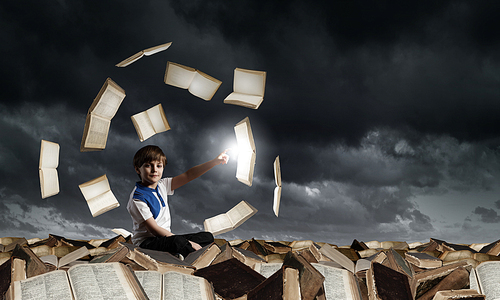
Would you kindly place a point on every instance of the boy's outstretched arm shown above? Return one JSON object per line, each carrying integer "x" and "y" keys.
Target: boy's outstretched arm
{"x": 199, "y": 170}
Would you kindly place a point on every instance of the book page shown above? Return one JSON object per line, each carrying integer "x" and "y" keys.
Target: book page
{"x": 277, "y": 200}
{"x": 156, "y": 49}
{"x": 50, "y": 259}
{"x": 488, "y": 274}
{"x": 250, "y": 101}
{"x": 218, "y": 224}
{"x": 249, "y": 82}
{"x": 52, "y": 285}
{"x": 151, "y": 282}
{"x": 267, "y": 269}
{"x": 49, "y": 155}
{"x": 143, "y": 126}
{"x": 336, "y": 282}
{"x": 244, "y": 136}
{"x": 102, "y": 203}
{"x": 179, "y": 75}
{"x": 99, "y": 281}
{"x": 204, "y": 86}
{"x": 245, "y": 164}
{"x": 158, "y": 119}
{"x": 95, "y": 187}
{"x": 240, "y": 213}
{"x": 337, "y": 256}
{"x": 109, "y": 102}
{"x": 473, "y": 280}
{"x": 98, "y": 129}
{"x": 178, "y": 286}
{"x": 49, "y": 182}
{"x": 72, "y": 256}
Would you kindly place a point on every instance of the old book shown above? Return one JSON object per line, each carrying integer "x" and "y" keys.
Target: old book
{"x": 283, "y": 284}
{"x": 337, "y": 256}
{"x": 113, "y": 242}
{"x": 423, "y": 260}
{"x": 58, "y": 263}
{"x": 11, "y": 246}
{"x": 397, "y": 262}
{"x": 458, "y": 279}
{"x": 339, "y": 283}
{"x": 203, "y": 257}
{"x": 196, "y": 82}
{"x": 485, "y": 277}
{"x": 150, "y": 122}
{"x": 245, "y": 256}
{"x": 267, "y": 269}
{"x": 230, "y": 220}
{"x": 34, "y": 266}
{"x": 88, "y": 281}
{"x": 125, "y": 233}
{"x": 147, "y": 52}
{"x": 277, "y": 189}
{"x": 358, "y": 246}
{"x": 248, "y": 88}
{"x": 47, "y": 169}
{"x": 113, "y": 255}
{"x": 310, "y": 279}
{"x": 231, "y": 279}
{"x": 157, "y": 260}
{"x": 257, "y": 247}
{"x": 427, "y": 279}
{"x": 277, "y": 247}
{"x": 173, "y": 285}
{"x": 98, "y": 121}
{"x": 492, "y": 248}
{"x": 246, "y": 152}
{"x": 298, "y": 245}
{"x": 385, "y": 283}
{"x": 468, "y": 294}
{"x": 98, "y": 195}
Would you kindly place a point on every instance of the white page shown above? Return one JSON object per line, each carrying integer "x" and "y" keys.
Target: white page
{"x": 178, "y": 76}
{"x": 248, "y": 82}
{"x": 151, "y": 282}
{"x": 267, "y": 269}
{"x": 336, "y": 282}
{"x": 98, "y": 132}
{"x": 109, "y": 103}
{"x": 203, "y": 87}
{"x": 489, "y": 279}
{"x": 49, "y": 155}
{"x": 156, "y": 118}
{"x": 91, "y": 190}
{"x": 178, "y": 286}
{"x": 240, "y": 213}
{"x": 49, "y": 180}
{"x": 49, "y": 286}
{"x": 102, "y": 203}
{"x": 146, "y": 128}
{"x": 218, "y": 224}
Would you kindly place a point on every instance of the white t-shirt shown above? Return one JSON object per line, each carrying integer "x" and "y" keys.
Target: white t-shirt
{"x": 140, "y": 210}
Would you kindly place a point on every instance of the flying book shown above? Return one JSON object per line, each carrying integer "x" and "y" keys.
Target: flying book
{"x": 246, "y": 152}
{"x": 147, "y": 52}
{"x": 228, "y": 221}
{"x": 196, "y": 82}
{"x": 123, "y": 232}
{"x": 248, "y": 88}
{"x": 99, "y": 196}
{"x": 47, "y": 168}
{"x": 277, "y": 189}
{"x": 150, "y": 122}
{"x": 98, "y": 121}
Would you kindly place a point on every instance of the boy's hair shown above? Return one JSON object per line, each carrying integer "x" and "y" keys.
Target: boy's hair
{"x": 148, "y": 154}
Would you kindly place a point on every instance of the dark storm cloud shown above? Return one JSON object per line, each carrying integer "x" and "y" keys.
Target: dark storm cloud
{"x": 487, "y": 215}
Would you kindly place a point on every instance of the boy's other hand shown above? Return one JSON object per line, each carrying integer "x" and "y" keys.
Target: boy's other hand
{"x": 223, "y": 158}
{"x": 195, "y": 246}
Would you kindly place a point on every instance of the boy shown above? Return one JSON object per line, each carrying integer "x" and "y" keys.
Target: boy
{"x": 148, "y": 203}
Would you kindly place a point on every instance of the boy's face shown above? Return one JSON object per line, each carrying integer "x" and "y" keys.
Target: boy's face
{"x": 150, "y": 173}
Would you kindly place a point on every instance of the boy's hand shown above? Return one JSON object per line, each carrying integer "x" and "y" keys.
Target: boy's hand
{"x": 223, "y": 158}
{"x": 195, "y": 246}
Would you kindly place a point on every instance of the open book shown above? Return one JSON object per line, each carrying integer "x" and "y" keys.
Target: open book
{"x": 147, "y": 52}
{"x": 150, "y": 122}
{"x": 246, "y": 152}
{"x": 484, "y": 279}
{"x": 47, "y": 169}
{"x": 277, "y": 189}
{"x": 228, "y": 221}
{"x": 248, "y": 87}
{"x": 99, "y": 196}
{"x": 339, "y": 283}
{"x": 197, "y": 83}
{"x": 66, "y": 259}
{"x": 84, "y": 281}
{"x": 174, "y": 286}
{"x": 125, "y": 233}
{"x": 102, "y": 110}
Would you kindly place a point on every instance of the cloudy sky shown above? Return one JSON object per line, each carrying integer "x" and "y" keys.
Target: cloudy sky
{"x": 384, "y": 114}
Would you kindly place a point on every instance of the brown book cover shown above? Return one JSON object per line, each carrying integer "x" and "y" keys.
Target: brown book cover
{"x": 310, "y": 279}
{"x": 231, "y": 278}
{"x": 34, "y": 266}
{"x": 385, "y": 283}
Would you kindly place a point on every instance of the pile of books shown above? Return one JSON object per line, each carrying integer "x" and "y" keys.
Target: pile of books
{"x": 61, "y": 268}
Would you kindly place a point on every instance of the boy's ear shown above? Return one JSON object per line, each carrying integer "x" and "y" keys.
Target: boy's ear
{"x": 137, "y": 170}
